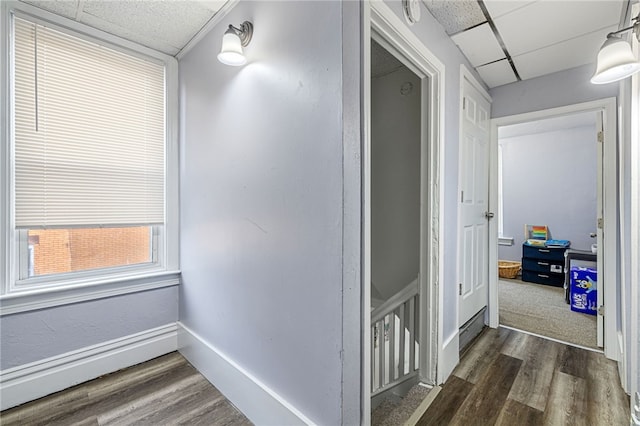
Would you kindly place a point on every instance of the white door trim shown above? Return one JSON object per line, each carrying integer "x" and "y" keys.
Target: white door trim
{"x": 381, "y": 20}
{"x": 610, "y": 194}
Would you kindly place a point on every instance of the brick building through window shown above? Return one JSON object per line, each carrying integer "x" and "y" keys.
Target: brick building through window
{"x": 58, "y": 251}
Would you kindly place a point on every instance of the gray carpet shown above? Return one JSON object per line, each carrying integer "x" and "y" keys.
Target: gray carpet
{"x": 391, "y": 413}
{"x": 541, "y": 309}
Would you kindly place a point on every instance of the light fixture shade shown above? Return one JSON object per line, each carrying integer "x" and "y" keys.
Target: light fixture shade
{"x": 615, "y": 62}
{"x": 231, "y": 52}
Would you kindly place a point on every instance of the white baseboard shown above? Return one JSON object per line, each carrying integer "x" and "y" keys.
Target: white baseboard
{"x": 622, "y": 363}
{"x": 256, "y": 401}
{"x": 449, "y": 357}
{"x": 27, "y": 382}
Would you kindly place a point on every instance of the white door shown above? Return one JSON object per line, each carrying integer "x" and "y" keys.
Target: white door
{"x": 599, "y": 226}
{"x": 474, "y": 204}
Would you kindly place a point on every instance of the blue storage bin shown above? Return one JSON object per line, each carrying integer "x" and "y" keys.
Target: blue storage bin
{"x": 584, "y": 292}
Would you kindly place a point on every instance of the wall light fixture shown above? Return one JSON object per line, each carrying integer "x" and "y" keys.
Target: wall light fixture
{"x": 233, "y": 41}
{"x": 616, "y": 59}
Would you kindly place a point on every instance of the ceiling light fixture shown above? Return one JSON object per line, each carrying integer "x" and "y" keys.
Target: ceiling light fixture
{"x": 233, "y": 41}
{"x": 616, "y": 59}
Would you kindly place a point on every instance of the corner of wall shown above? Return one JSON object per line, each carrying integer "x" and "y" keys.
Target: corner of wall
{"x": 258, "y": 402}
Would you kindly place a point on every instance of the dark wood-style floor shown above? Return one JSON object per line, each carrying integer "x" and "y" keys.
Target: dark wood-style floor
{"x": 164, "y": 391}
{"x": 511, "y": 378}
{"x": 505, "y": 378}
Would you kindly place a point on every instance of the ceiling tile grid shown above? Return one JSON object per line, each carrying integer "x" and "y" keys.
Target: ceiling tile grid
{"x": 497, "y": 73}
{"x": 561, "y": 56}
{"x": 497, "y": 8}
{"x": 540, "y": 36}
{"x": 479, "y": 45}
{"x": 544, "y": 23}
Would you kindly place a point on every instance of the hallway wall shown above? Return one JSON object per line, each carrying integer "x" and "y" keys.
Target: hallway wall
{"x": 562, "y": 88}
{"x": 262, "y": 232}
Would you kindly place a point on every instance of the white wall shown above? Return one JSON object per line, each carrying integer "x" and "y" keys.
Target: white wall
{"x": 35, "y": 335}
{"x": 550, "y": 179}
{"x": 562, "y": 88}
{"x": 263, "y": 237}
{"x": 395, "y": 182}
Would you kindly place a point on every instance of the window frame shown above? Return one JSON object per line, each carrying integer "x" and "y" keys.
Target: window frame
{"x": 57, "y": 289}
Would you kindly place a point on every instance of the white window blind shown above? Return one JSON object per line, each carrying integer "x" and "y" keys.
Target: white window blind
{"x": 89, "y": 133}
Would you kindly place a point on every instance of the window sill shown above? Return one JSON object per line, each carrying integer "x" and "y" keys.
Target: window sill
{"x": 30, "y": 300}
{"x": 505, "y": 241}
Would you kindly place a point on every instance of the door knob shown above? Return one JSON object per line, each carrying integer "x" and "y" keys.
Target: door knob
{"x": 593, "y": 235}
{"x": 488, "y": 215}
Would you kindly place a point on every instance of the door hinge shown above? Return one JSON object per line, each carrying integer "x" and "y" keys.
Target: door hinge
{"x": 600, "y": 223}
{"x": 600, "y": 137}
{"x": 460, "y": 289}
{"x": 601, "y": 310}
{"x": 464, "y": 102}
{"x": 462, "y": 196}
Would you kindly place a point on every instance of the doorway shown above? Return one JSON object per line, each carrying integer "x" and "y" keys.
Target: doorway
{"x": 396, "y": 147}
{"x": 548, "y": 176}
{"x": 390, "y": 32}
{"x": 606, "y": 222}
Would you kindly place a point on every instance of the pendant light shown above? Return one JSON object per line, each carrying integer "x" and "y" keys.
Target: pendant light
{"x": 616, "y": 59}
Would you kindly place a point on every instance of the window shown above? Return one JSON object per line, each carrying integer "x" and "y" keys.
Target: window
{"x": 92, "y": 149}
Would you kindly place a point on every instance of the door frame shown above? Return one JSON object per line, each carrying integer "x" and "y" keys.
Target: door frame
{"x": 610, "y": 200}
{"x": 381, "y": 20}
{"x": 465, "y": 74}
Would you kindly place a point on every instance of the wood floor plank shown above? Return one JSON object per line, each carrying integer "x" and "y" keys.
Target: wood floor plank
{"x": 596, "y": 400}
{"x": 515, "y": 413}
{"x": 608, "y": 403}
{"x": 123, "y": 387}
{"x": 481, "y": 354}
{"x": 135, "y": 410}
{"x": 516, "y": 345}
{"x": 486, "y": 399}
{"x": 163, "y": 391}
{"x": 203, "y": 413}
{"x": 79, "y": 402}
{"x": 183, "y": 406}
{"x": 532, "y": 384}
{"x": 445, "y": 405}
{"x": 223, "y": 414}
{"x": 567, "y": 403}
{"x": 573, "y": 361}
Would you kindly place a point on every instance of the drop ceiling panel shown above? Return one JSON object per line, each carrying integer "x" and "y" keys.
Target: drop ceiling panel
{"x": 498, "y": 8}
{"x": 456, "y": 16}
{"x": 544, "y": 23}
{"x": 479, "y": 45}
{"x": 164, "y": 25}
{"x": 561, "y": 56}
{"x": 66, "y": 8}
{"x": 497, "y": 73}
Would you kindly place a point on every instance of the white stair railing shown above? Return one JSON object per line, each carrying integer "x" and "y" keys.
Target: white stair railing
{"x": 394, "y": 340}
